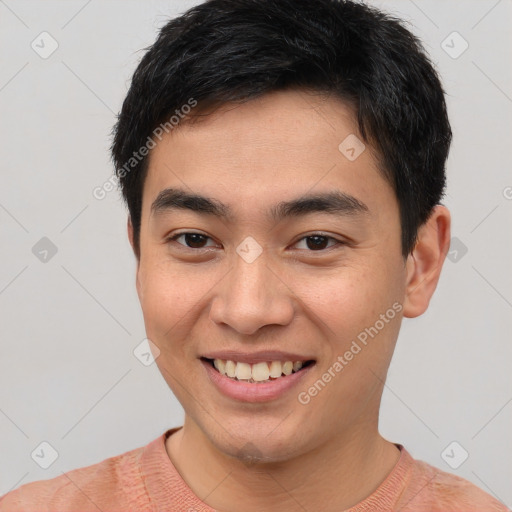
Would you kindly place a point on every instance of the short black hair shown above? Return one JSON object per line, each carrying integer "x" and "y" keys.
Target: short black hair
{"x": 234, "y": 50}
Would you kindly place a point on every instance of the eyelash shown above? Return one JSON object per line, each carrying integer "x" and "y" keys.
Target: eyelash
{"x": 178, "y": 235}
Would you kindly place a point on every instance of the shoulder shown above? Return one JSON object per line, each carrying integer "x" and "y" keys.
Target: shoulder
{"x": 431, "y": 489}
{"x": 111, "y": 483}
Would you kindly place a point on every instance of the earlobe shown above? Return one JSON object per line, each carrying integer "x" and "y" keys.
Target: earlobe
{"x": 424, "y": 264}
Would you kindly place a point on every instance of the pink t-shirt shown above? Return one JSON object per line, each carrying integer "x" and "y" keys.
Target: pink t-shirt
{"x": 145, "y": 479}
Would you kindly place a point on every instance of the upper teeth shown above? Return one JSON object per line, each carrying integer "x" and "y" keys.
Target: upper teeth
{"x": 257, "y": 372}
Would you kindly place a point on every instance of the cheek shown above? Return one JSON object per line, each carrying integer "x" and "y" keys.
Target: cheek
{"x": 173, "y": 300}
{"x": 165, "y": 295}
{"x": 342, "y": 299}
{"x": 352, "y": 299}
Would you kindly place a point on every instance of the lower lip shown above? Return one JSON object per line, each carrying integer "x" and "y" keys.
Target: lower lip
{"x": 257, "y": 391}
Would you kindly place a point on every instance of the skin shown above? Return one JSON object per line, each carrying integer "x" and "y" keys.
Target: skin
{"x": 279, "y": 455}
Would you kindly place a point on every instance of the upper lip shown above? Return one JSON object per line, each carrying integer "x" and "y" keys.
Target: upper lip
{"x": 256, "y": 357}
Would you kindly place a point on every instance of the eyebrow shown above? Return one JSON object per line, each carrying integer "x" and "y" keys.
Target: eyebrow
{"x": 335, "y": 202}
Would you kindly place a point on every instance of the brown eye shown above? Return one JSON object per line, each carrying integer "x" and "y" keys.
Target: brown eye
{"x": 191, "y": 240}
{"x": 318, "y": 242}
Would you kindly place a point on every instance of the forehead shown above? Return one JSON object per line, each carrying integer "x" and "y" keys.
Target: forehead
{"x": 282, "y": 144}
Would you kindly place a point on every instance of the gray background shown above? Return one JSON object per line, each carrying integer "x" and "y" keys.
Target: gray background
{"x": 69, "y": 324}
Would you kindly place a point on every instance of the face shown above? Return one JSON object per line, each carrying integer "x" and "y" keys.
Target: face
{"x": 290, "y": 252}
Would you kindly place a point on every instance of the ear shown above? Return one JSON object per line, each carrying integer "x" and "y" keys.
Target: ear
{"x": 129, "y": 226}
{"x": 131, "y": 239}
{"x": 423, "y": 266}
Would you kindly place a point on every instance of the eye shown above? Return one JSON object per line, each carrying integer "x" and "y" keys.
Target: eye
{"x": 314, "y": 243}
{"x": 318, "y": 242}
{"x": 191, "y": 240}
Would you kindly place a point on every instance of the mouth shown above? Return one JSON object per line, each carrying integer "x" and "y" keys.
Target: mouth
{"x": 257, "y": 373}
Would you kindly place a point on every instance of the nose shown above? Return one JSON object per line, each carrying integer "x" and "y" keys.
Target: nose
{"x": 251, "y": 296}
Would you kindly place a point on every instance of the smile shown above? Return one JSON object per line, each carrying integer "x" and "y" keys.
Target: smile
{"x": 259, "y": 372}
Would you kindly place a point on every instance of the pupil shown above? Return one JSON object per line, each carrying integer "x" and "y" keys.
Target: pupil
{"x": 194, "y": 240}
{"x": 319, "y": 242}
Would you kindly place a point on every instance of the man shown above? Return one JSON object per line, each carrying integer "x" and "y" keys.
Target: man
{"x": 283, "y": 166}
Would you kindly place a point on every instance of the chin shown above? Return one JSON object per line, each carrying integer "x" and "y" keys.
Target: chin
{"x": 262, "y": 443}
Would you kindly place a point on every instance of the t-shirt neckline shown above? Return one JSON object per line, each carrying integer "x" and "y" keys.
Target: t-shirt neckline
{"x": 165, "y": 486}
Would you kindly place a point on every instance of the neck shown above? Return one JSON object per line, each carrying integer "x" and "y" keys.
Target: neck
{"x": 355, "y": 462}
